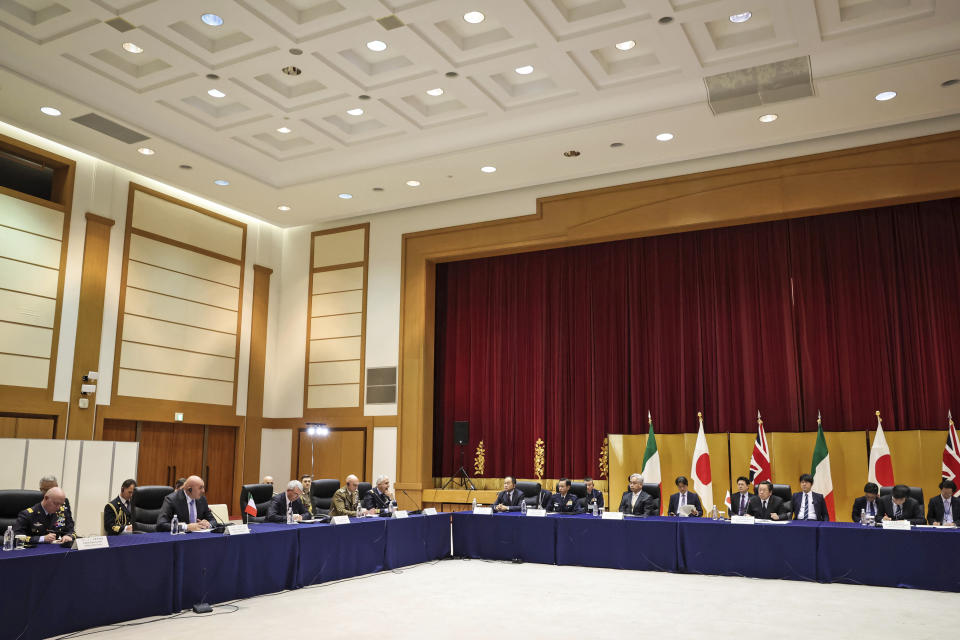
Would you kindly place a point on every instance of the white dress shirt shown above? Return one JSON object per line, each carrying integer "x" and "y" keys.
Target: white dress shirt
{"x": 807, "y": 499}
{"x": 948, "y": 515}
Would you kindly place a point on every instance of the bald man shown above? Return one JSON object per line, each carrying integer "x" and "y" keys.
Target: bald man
{"x": 346, "y": 501}
{"x": 47, "y": 521}
{"x": 189, "y": 505}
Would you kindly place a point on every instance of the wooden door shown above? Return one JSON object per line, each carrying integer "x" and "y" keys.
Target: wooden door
{"x": 188, "y": 450}
{"x": 169, "y": 451}
{"x": 218, "y": 469}
{"x": 39, "y": 428}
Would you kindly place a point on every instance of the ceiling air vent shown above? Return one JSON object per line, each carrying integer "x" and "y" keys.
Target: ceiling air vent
{"x": 390, "y": 22}
{"x": 120, "y": 24}
{"x": 764, "y": 84}
{"x": 110, "y": 128}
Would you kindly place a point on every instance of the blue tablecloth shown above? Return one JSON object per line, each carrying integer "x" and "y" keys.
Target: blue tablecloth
{"x": 505, "y": 536}
{"x": 646, "y": 544}
{"x": 329, "y": 552}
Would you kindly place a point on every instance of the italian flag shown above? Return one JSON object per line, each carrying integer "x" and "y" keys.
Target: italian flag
{"x": 651, "y": 461}
{"x": 820, "y": 470}
{"x": 251, "y": 508}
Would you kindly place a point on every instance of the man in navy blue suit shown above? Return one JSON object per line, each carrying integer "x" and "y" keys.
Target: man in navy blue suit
{"x": 683, "y": 498}
{"x": 510, "y": 498}
{"x": 945, "y": 507}
{"x": 808, "y": 505}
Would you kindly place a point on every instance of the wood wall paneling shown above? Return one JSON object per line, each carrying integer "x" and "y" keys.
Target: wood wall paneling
{"x": 340, "y": 453}
{"x": 218, "y": 469}
{"x": 253, "y": 425}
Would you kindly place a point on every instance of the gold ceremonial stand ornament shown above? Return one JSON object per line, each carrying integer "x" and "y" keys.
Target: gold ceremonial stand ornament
{"x": 479, "y": 460}
{"x": 538, "y": 458}
{"x": 604, "y": 462}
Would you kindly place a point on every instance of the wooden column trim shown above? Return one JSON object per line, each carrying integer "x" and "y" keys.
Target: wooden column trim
{"x": 250, "y": 432}
{"x": 86, "y": 353}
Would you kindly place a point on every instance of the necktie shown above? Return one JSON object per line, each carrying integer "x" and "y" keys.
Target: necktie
{"x": 764, "y": 505}
{"x": 743, "y": 502}
{"x": 683, "y": 499}
{"x": 193, "y": 511}
{"x": 897, "y": 512}
{"x": 870, "y": 509}
{"x": 806, "y": 505}
{"x": 947, "y": 515}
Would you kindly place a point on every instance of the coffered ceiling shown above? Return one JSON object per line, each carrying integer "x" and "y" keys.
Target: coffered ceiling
{"x": 445, "y": 96}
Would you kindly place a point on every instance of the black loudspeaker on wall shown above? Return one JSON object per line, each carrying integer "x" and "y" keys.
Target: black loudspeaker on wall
{"x": 461, "y": 432}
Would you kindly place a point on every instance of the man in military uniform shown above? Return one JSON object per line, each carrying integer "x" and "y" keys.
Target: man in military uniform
{"x": 47, "y": 521}
{"x": 307, "y": 499}
{"x": 118, "y": 514}
{"x": 563, "y": 501}
{"x": 346, "y": 501}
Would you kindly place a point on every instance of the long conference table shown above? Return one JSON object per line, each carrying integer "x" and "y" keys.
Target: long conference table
{"x": 49, "y": 590}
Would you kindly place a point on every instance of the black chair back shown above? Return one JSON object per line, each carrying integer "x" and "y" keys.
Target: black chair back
{"x": 579, "y": 489}
{"x": 784, "y": 492}
{"x": 321, "y": 493}
{"x": 544, "y": 497}
{"x": 363, "y": 487}
{"x": 530, "y": 491}
{"x": 262, "y": 494}
{"x": 12, "y": 502}
{"x": 915, "y": 492}
{"x": 653, "y": 490}
{"x": 145, "y": 504}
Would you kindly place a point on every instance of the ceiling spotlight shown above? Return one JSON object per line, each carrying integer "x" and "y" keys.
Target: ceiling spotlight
{"x": 212, "y": 76}
{"x": 413, "y": 183}
{"x": 130, "y": 47}
{"x": 950, "y": 82}
{"x": 146, "y": 151}
{"x": 488, "y": 169}
{"x": 291, "y": 71}
{"x": 451, "y": 74}
{"x": 664, "y": 137}
{"x": 216, "y": 93}
{"x": 474, "y": 17}
{"x": 572, "y": 153}
{"x": 740, "y": 18}
{"x": 50, "y": 111}
{"x": 220, "y": 182}
{"x": 284, "y": 130}
{"x": 357, "y": 111}
{"x": 211, "y": 19}
{"x": 665, "y": 20}
{"x": 435, "y": 92}
{"x": 524, "y": 70}
{"x": 296, "y": 52}
{"x": 283, "y": 207}
{"x": 378, "y": 188}
{"x": 626, "y": 45}
{"x": 186, "y": 167}
{"x": 345, "y": 196}
{"x": 614, "y": 145}
{"x": 377, "y": 45}
{"x": 768, "y": 117}
{"x": 883, "y": 96}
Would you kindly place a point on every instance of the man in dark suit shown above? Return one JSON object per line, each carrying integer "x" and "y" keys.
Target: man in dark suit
{"x": 593, "y": 495}
{"x": 189, "y": 505}
{"x": 636, "y": 502}
{"x": 900, "y": 506}
{"x": 740, "y": 501}
{"x": 378, "y": 499}
{"x": 867, "y": 502}
{"x": 510, "y": 498}
{"x": 944, "y": 508}
{"x": 808, "y": 505}
{"x": 765, "y": 505}
{"x": 117, "y": 516}
{"x": 683, "y": 498}
{"x": 563, "y": 501}
{"x": 47, "y": 521}
{"x": 292, "y": 499}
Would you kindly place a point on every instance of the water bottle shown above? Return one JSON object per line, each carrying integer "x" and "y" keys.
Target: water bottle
{"x": 474, "y": 504}
{"x": 523, "y": 508}
{"x": 393, "y": 507}
{"x": 713, "y": 513}
{"x": 863, "y": 518}
{"x": 175, "y": 525}
{"x": 8, "y": 539}
{"x": 289, "y": 514}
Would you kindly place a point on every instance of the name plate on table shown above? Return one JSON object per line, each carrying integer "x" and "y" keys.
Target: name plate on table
{"x": 612, "y": 515}
{"x": 483, "y": 511}
{"x": 536, "y": 513}
{"x": 340, "y": 520}
{"x": 237, "y": 529}
{"x": 898, "y": 525}
{"x": 92, "y": 542}
{"x": 743, "y": 520}
{"x": 399, "y": 514}
{"x": 429, "y": 511}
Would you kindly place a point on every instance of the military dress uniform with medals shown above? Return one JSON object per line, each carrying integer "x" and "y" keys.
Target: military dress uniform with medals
{"x": 36, "y": 523}
{"x": 563, "y": 504}
{"x": 116, "y": 517}
{"x": 345, "y": 503}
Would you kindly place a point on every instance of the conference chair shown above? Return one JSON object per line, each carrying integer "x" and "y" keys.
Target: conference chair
{"x": 262, "y": 494}
{"x": 785, "y": 493}
{"x": 145, "y": 504}
{"x": 12, "y": 502}
{"x": 579, "y": 489}
{"x": 530, "y": 491}
{"x": 362, "y": 488}
{"x": 544, "y": 498}
{"x": 915, "y": 492}
{"x": 652, "y": 490}
{"x": 321, "y": 494}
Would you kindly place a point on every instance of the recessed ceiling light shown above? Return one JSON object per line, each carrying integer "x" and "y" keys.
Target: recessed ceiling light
{"x": 665, "y": 20}
{"x": 212, "y": 76}
{"x": 50, "y": 111}
{"x": 951, "y": 82}
{"x": 186, "y": 167}
{"x": 147, "y": 151}
{"x": 296, "y": 52}
{"x": 524, "y": 70}
{"x": 220, "y": 182}
{"x": 488, "y": 169}
{"x": 377, "y": 45}
{"x": 435, "y": 92}
{"x": 739, "y": 18}
{"x": 211, "y": 19}
{"x": 664, "y": 137}
{"x": 291, "y": 70}
{"x": 883, "y": 96}
{"x": 614, "y": 145}
{"x": 474, "y": 17}
{"x": 284, "y": 130}
{"x": 357, "y": 111}
{"x": 768, "y": 117}
{"x": 626, "y": 45}
{"x": 345, "y": 196}
{"x": 451, "y": 74}
{"x": 283, "y": 207}
{"x": 216, "y": 93}
{"x": 131, "y": 48}
{"x": 413, "y": 183}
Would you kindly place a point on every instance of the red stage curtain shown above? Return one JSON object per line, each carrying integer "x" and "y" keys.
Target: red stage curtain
{"x": 845, "y": 313}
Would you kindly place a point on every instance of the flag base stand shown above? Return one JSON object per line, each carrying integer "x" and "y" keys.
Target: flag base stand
{"x": 202, "y": 607}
